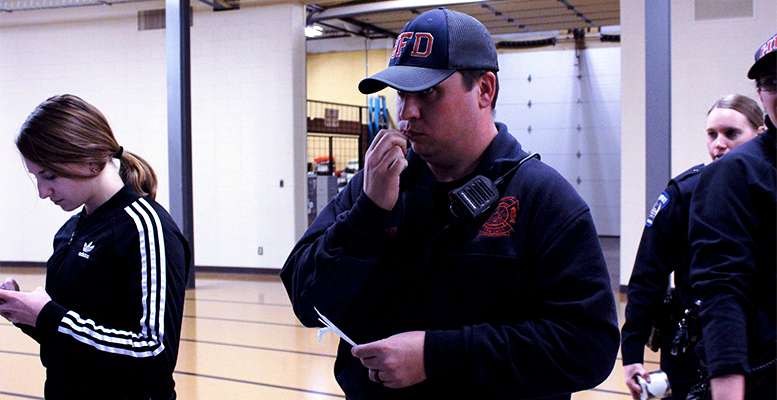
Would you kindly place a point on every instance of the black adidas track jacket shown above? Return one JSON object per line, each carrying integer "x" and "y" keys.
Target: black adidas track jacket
{"x": 117, "y": 280}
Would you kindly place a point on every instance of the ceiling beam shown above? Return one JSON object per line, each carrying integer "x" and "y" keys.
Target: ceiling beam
{"x": 381, "y": 6}
{"x": 370, "y": 27}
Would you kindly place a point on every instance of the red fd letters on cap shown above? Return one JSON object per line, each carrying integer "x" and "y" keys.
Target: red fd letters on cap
{"x": 422, "y": 44}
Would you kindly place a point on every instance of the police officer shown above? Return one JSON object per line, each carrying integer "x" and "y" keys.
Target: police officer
{"x": 733, "y": 231}
{"x": 731, "y": 121}
{"x": 506, "y": 296}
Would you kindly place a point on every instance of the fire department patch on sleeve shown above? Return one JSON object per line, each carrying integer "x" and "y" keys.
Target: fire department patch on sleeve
{"x": 663, "y": 200}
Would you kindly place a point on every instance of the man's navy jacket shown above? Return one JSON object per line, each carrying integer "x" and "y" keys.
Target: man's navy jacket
{"x": 516, "y": 304}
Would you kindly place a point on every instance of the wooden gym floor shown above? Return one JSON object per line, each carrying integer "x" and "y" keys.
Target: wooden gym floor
{"x": 240, "y": 340}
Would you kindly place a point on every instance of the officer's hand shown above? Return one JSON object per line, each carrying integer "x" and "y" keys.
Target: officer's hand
{"x": 728, "y": 387}
{"x": 23, "y": 307}
{"x": 395, "y": 362}
{"x": 630, "y": 372}
{"x": 384, "y": 162}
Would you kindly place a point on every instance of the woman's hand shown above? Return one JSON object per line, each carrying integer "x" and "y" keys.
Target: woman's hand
{"x": 22, "y": 307}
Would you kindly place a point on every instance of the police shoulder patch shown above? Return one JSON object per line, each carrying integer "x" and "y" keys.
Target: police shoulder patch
{"x": 663, "y": 200}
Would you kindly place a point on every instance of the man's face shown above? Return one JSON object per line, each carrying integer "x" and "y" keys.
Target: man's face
{"x": 767, "y": 91}
{"x": 439, "y": 120}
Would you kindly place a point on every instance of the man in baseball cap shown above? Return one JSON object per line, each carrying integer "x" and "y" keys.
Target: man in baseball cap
{"x": 463, "y": 267}
{"x": 733, "y": 231}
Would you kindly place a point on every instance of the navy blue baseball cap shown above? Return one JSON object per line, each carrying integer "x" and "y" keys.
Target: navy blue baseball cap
{"x": 431, "y": 48}
{"x": 764, "y": 59}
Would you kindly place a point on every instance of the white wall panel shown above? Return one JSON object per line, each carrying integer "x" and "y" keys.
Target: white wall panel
{"x": 537, "y": 90}
{"x": 599, "y": 167}
{"x": 243, "y": 85}
{"x": 561, "y": 162}
{"x": 546, "y": 63}
{"x": 598, "y": 197}
{"x": 604, "y": 216}
{"x": 574, "y": 118}
{"x": 701, "y": 77}
{"x": 247, "y": 119}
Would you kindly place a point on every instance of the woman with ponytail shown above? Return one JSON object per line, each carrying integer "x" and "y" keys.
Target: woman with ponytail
{"x": 109, "y": 319}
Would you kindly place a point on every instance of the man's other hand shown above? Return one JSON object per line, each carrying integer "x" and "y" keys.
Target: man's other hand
{"x": 395, "y": 362}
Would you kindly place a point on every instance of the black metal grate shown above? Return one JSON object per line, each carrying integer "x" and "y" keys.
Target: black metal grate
{"x": 339, "y": 149}
{"x": 337, "y": 136}
{"x": 324, "y": 117}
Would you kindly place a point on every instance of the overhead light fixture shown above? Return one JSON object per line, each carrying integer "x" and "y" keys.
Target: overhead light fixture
{"x": 312, "y": 31}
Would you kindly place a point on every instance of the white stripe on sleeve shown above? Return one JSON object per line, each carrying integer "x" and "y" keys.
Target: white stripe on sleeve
{"x": 148, "y": 341}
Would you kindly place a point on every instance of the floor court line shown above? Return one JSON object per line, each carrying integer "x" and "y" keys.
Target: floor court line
{"x": 260, "y": 384}
{"x": 239, "y": 302}
{"x": 20, "y": 353}
{"x": 247, "y": 321}
{"x": 609, "y": 391}
{"x": 247, "y": 346}
{"x": 20, "y": 395}
{"x": 194, "y": 374}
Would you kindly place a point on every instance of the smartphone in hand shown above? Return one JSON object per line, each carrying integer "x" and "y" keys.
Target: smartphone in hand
{"x": 10, "y": 284}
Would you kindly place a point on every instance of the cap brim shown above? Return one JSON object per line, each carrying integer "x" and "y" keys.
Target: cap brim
{"x": 766, "y": 64}
{"x": 405, "y": 78}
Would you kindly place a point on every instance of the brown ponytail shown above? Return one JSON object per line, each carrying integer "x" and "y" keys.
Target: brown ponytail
{"x": 136, "y": 172}
{"x": 67, "y": 130}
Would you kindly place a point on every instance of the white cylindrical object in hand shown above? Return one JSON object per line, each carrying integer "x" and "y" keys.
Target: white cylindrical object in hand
{"x": 657, "y": 388}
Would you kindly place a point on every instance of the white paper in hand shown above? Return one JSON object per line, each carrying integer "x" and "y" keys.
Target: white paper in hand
{"x": 330, "y": 327}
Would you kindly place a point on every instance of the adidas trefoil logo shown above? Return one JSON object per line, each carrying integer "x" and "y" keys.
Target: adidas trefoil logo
{"x": 88, "y": 247}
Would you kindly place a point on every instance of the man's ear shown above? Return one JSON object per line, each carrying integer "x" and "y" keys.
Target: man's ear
{"x": 487, "y": 89}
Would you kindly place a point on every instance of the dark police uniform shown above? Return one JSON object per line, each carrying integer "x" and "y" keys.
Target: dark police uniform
{"x": 516, "y": 304}
{"x": 116, "y": 280}
{"x": 734, "y": 263}
{"x": 663, "y": 249}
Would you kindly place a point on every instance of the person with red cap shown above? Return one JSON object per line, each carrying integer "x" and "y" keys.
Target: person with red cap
{"x": 462, "y": 266}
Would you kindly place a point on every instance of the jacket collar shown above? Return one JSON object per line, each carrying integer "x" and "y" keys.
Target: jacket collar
{"x": 500, "y": 155}
{"x": 121, "y": 199}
